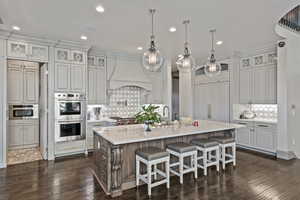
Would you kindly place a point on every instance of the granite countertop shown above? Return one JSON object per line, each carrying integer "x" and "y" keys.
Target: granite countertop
{"x": 135, "y": 133}
{"x": 269, "y": 121}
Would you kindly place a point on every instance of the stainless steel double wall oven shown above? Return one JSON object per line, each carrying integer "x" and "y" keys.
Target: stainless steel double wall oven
{"x": 69, "y": 116}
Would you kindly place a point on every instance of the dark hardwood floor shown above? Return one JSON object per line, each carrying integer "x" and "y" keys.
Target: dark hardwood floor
{"x": 255, "y": 177}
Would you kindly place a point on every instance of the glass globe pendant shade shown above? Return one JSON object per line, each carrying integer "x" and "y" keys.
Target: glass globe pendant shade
{"x": 212, "y": 68}
{"x": 152, "y": 59}
{"x": 185, "y": 63}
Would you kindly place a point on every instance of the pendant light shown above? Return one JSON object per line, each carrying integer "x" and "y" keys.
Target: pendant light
{"x": 212, "y": 68}
{"x": 185, "y": 62}
{"x": 152, "y": 59}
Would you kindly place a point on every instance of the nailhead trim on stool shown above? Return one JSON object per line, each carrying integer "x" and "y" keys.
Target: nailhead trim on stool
{"x": 152, "y": 156}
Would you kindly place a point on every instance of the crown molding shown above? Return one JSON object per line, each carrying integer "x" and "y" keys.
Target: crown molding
{"x": 11, "y": 35}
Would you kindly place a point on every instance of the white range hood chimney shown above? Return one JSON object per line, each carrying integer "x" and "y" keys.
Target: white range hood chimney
{"x": 129, "y": 73}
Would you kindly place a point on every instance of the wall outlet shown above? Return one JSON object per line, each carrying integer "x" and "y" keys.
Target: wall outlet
{"x": 293, "y": 142}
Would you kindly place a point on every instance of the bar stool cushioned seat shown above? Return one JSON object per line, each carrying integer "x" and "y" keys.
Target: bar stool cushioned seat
{"x": 226, "y": 142}
{"x": 224, "y": 139}
{"x": 205, "y": 143}
{"x": 151, "y": 153}
{"x": 181, "y": 147}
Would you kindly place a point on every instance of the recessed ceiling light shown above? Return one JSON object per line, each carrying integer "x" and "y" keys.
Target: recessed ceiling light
{"x": 100, "y": 9}
{"x": 172, "y": 29}
{"x": 219, "y": 42}
{"x": 83, "y": 37}
{"x": 139, "y": 48}
{"x": 16, "y": 28}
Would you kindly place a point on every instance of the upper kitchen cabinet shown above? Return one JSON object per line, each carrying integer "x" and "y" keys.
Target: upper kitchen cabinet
{"x": 70, "y": 78}
{"x": 23, "y": 77}
{"x": 15, "y": 82}
{"x": 38, "y": 52}
{"x": 77, "y": 78}
{"x": 96, "y": 80}
{"x": 97, "y": 61}
{"x": 17, "y": 49}
{"x": 27, "y": 51}
{"x": 258, "y": 80}
{"x": 70, "y": 70}
{"x": 78, "y": 57}
{"x": 70, "y": 56}
{"x": 62, "y": 55}
{"x": 31, "y": 83}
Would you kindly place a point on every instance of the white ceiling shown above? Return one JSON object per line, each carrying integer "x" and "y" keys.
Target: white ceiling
{"x": 125, "y": 24}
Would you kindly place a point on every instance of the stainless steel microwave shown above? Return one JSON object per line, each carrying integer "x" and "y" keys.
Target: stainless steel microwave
{"x": 21, "y": 112}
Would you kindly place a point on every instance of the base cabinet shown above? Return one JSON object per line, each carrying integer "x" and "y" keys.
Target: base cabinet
{"x": 23, "y": 134}
{"x": 258, "y": 136}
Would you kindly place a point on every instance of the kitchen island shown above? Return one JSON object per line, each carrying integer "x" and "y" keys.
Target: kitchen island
{"x": 115, "y": 147}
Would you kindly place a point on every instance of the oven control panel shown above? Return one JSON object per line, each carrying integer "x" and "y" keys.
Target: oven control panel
{"x": 69, "y": 96}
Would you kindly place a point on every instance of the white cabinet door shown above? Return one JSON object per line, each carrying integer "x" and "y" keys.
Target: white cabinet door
{"x": 101, "y": 86}
{"x": 77, "y": 77}
{"x": 92, "y": 87}
{"x": 246, "y": 86}
{"x": 78, "y": 57}
{"x": 271, "y": 85}
{"x": 15, "y": 136}
{"x": 244, "y": 136}
{"x": 15, "y": 82}
{"x": 265, "y": 137}
{"x": 31, "y": 134}
{"x": 97, "y": 85}
{"x": 17, "y": 49}
{"x": 62, "y": 77}
{"x": 259, "y": 85}
{"x": 38, "y": 52}
{"x": 62, "y": 55}
{"x": 31, "y": 85}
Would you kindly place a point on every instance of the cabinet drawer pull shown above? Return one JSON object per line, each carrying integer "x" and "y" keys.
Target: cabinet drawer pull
{"x": 261, "y": 125}
{"x": 243, "y": 123}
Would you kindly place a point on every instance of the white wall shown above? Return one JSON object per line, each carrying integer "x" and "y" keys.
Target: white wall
{"x": 288, "y": 92}
{"x": 2, "y": 103}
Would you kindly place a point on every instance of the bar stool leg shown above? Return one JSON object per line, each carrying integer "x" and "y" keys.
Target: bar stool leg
{"x": 155, "y": 171}
{"x": 168, "y": 173}
{"x": 137, "y": 171}
{"x": 205, "y": 162}
{"x": 218, "y": 159}
{"x": 234, "y": 154}
{"x": 181, "y": 168}
{"x": 223, "y": 156}
{"x": 149, "y": 172}
{"x": 195, "y": 164}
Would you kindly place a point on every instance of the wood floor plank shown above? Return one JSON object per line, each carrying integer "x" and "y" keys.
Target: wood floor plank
{"x": 256, "y": 177}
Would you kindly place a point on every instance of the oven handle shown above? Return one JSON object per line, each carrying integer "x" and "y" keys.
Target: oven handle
{"x": 69, "y": 121}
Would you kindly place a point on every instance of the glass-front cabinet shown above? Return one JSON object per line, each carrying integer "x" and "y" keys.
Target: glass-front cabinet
{"x": 27, "y": 51}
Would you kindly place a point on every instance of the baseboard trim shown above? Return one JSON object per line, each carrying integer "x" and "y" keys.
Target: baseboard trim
{"x": 3, "y": 165}
{"x": 285, "y": 155}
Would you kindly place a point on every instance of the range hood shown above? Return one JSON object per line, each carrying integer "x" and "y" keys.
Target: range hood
{"x": 129, "y": 73}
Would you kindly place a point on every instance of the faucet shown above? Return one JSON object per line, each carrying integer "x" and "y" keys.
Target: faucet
{"x": 164, "y": 112}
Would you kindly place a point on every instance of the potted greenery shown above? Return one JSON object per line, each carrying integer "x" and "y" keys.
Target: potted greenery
{"x": 148, "y": 116}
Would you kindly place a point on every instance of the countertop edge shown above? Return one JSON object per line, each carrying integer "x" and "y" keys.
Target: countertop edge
{"x": 163, "y": 137}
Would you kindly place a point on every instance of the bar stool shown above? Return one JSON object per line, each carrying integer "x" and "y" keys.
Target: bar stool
{"x": 206, "y": 159}
{"x": 226, "y": 142}
{"x": 152, "y": 156}
{"x": 183, "y": 150}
